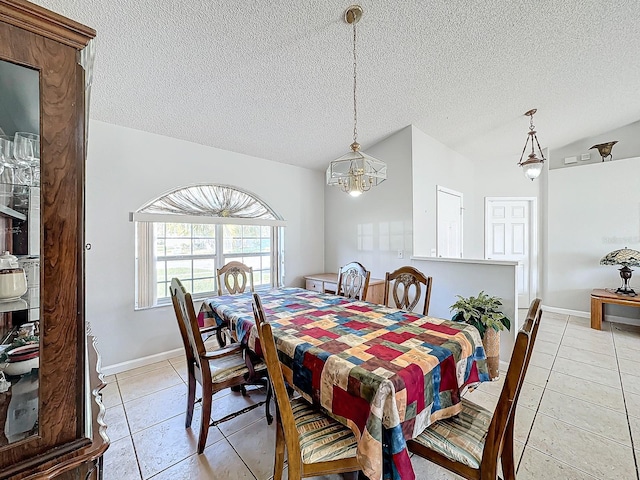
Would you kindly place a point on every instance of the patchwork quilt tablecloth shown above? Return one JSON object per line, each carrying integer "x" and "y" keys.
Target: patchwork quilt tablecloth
{"x": 386, "y": 373}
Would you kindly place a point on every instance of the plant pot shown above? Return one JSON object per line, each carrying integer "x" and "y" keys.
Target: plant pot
{"x": 491, "y": 343}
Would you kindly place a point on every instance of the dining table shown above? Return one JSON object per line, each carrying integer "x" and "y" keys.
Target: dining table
{"x": 385, "y": 373}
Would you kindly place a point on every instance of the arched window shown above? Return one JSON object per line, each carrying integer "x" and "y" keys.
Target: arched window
{"x": 192, "y": 231}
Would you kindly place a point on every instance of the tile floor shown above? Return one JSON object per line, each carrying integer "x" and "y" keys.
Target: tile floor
{"x": 578, "y": 416}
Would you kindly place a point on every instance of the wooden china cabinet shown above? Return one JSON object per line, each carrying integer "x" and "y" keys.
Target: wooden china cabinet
{"x": 50, "y": 415}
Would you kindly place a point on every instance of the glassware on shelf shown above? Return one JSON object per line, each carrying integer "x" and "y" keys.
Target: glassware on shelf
{"x": 17, "y": 171}
{"x": 7, "y": 170}
{"x": 26, "y": 151}
{"x": 6, "y": 152}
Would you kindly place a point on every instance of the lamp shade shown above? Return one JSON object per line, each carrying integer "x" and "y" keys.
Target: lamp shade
{"x": 532, "y": 168}
{"x": 356, "y": 172}
{"x": 625, "y": 257}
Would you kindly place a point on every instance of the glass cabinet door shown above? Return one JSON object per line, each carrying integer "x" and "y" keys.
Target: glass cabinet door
{"x": 44, "y": 406}
{"x": 19, "y": 252}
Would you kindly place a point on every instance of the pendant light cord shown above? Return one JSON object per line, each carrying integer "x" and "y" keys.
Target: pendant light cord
{"x": 355, "y": 108}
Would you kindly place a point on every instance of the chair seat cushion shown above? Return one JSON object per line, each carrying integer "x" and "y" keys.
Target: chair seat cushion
{"x": 460, "y": 438}
{"x": 232, "y": 366}
{"x": 321, "y": 437}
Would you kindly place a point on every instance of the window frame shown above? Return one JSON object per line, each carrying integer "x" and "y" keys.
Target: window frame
{"x": 151, "y": 213}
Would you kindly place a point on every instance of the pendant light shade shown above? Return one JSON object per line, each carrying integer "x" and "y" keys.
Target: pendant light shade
{"x": 355, "y": 172}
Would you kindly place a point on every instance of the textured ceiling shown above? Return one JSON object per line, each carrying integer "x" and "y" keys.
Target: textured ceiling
{"x": 274, "y": 79}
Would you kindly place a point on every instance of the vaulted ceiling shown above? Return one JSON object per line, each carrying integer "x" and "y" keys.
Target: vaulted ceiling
{"x": 273, "y": 79}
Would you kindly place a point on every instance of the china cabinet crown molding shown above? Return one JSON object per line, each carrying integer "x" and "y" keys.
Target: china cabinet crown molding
{"x": 43, "y": 22}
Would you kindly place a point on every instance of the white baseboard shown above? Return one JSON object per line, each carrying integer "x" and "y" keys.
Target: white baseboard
{"x": 578, "y": 313}
{"x": 141, "y": 362}
{"x": 566, "y": 311}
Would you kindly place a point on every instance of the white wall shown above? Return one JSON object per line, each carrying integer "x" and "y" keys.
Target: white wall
{"x": 433, "y": 164}
{"x": 628, "y": 146}
{"x": 372, "y": 228}
{"x": 125, "y": 169}
{"x": 593, "y": 210}
{"x": 504, "y": 178}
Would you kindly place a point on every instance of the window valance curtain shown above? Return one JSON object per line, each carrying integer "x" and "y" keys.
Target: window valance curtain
{"x": 210, "y": 203}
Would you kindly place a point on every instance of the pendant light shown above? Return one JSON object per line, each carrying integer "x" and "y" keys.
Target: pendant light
{"x": 532, "y": 166}
{"x": 356, "y": 172}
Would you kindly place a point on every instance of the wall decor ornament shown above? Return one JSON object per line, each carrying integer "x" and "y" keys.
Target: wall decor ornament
{"x": 604, "y": 149}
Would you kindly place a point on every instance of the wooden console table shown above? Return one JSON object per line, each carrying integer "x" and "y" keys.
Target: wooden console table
{"x": 328, "y": 283}
{"x": 600, "y": 296}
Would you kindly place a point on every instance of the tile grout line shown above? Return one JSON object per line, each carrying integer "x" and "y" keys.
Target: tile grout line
{"x": 135, "y": 451}
{"x": 626, "y": 410}
{"x": 133, "y": 445}
{"x": 583, "y": 379}
{"x": 544, "y": 389}
{"x": 239, "y": 456}
{"x": 565, "y": 463}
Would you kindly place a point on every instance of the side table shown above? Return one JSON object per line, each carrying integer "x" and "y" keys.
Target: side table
{"x": 328, "y": 283}
{"x": 600, "y": 296}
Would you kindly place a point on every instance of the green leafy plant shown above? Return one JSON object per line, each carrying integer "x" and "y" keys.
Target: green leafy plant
{"x": 482, "y": 312}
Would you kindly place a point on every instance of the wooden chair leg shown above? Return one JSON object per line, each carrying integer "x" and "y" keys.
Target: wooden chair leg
{"x": 268, "y": 402}
{"x": 191, "y": 396}
{"x": 222, "y": 341}
{"x": 206, "y": 417}
{"x": 507, "y": 458}
{"x": 278, "y": 464}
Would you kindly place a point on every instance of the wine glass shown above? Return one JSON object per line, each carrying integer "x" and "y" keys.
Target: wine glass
{"x": 6, "y": 162}
{"x": 26, "y": 150}
{"x": 6, "y": 152}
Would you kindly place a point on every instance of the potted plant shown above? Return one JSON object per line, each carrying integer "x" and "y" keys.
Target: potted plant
{"x": 483, "y": 312}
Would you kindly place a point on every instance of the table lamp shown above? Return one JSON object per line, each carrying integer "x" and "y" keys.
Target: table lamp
{"x": 627, "y": 258}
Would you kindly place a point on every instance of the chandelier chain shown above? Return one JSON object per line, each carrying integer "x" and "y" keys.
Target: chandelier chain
{"x": 355, "y": 81}
{"x": 532, "y": 128}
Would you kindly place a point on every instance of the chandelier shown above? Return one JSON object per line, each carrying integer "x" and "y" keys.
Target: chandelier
{"x": 356, "y": 172}
{"x": 532, "y": 166}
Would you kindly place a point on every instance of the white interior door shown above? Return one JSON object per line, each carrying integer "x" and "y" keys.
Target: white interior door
{"x": 509, "y": 237}
{"x": 449, "y": 223}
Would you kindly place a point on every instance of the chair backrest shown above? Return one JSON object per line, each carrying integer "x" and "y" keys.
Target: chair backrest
{"x": 409, "y": 280}
{"x": 270, "y": 353}
{"x": 234, "y": 277}
{"x": 188, "y": 324}
{"x": 353, "y": 281}
{"x": 506, "y": 407}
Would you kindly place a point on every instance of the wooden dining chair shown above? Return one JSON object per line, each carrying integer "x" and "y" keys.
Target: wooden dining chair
{"x": 409, "y": 280}
{"x": 353, "y": 281}
{"x": 471, "y": 443}
{"x": 315, "y": 443}
{"x": 234, "y": 276}
{"x": 213, "y": 370}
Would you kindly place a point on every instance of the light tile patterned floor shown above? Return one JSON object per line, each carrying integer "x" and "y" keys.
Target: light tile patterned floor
{"x": 578, "y": 416}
